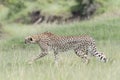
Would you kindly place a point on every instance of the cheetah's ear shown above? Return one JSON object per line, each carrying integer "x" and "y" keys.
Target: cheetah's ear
{"x": 48, "y": 33}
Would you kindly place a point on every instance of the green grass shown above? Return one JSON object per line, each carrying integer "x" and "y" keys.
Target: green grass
{"x": 104, "y": 28}
{"x": 14, "y": 67}
{"x": 49, "y": 7}
{"x": 14, "y": 53}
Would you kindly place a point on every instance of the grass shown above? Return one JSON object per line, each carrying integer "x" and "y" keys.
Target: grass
{"x": 14, "y": 67}
{"x": 49, "y": 7}
{"x": 14, "y": 53}
{"x": 104, "y": 28}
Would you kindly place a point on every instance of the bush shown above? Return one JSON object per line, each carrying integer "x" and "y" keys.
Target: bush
{"x": 14, "y": 6}
{"x": 19, "y": 10}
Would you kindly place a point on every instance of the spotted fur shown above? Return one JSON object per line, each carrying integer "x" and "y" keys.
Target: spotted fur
{"x": 82, "y": 45}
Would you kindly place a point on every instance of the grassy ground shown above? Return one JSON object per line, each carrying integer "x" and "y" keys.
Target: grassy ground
{"x": 14, "y": 53}
{"x": 104, "y": 28}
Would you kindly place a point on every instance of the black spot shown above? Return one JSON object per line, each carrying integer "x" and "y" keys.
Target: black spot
{"x": 30, "y": 39}
{"x": 96, "y": 53}
{"x": 101, "y": 58}
{"x": 104, "y": 59}
{"x": 99, "y": 55}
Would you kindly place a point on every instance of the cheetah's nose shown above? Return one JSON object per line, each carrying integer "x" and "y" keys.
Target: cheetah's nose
{"x": 25, "y": 42}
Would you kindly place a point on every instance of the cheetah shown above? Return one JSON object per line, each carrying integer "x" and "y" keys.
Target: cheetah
{"x": 82, "y": 45}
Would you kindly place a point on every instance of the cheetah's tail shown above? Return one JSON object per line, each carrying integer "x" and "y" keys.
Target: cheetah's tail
{"x": 101, "y": 56}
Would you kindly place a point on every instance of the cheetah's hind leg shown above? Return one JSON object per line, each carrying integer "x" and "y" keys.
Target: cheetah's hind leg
{"x": 83, "y": 56}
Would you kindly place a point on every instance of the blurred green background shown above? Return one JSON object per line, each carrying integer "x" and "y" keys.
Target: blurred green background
{"x": 20, "y": 18}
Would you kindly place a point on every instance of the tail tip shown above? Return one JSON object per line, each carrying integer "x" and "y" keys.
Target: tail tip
{"x": 105, "y": 60}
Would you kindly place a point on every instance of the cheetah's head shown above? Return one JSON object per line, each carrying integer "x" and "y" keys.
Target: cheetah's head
{"x": 31, "y": 39}
{"x": 38, "y": 37}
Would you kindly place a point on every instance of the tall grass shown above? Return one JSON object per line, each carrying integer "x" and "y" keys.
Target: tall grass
{"x": 14, "y": 66}
{"x": 105, "y": 29}
{"x": 14, "y": 53}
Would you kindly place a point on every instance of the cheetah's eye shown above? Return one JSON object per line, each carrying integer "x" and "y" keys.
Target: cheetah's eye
{"x": 30, "y": 39}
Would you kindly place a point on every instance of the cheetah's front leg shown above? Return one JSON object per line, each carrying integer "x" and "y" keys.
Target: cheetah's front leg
{"x": 56, "y": 57}
{"x": 34, "y": 58}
